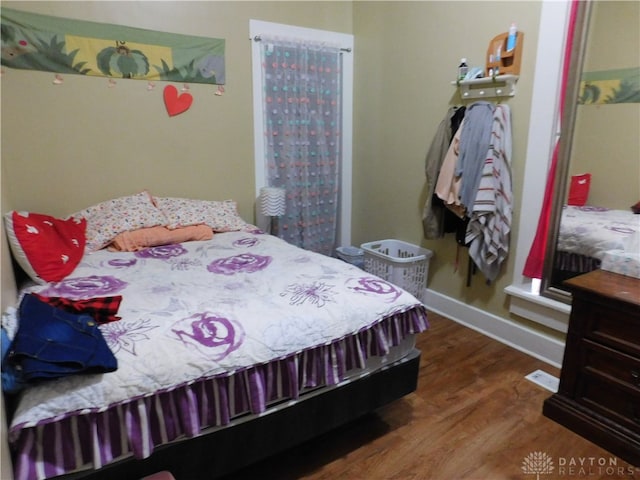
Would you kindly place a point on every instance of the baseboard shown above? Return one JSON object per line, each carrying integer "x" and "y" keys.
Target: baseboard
{"x": 520, "y": 337}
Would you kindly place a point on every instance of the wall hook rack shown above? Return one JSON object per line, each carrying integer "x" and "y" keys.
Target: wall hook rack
{"x": 487, "y": 87}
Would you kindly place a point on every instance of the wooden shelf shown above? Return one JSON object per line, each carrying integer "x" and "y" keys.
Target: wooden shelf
{"x": 506, "y": 62}
{"x": 487, "y": 87}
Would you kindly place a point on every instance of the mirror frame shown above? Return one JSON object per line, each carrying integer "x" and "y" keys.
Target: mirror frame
{"x": 565, "y": 141}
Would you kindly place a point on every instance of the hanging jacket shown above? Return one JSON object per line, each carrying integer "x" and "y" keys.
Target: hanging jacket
{"x": 474, "y": 144}
{"x": 448, "y": 184}
{"x": 432, "y": 214}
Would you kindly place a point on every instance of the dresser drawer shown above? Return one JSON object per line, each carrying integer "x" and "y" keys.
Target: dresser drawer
{"x": 609, "y": 400}
{"x": 599, "y": 392}
{"x": 613, "y": 327}
{"x": 618, "y": 367}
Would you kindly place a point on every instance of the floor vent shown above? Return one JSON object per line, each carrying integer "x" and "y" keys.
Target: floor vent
{"x": 544, "y": 379}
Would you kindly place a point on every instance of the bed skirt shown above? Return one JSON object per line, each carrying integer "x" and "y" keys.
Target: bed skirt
{"x": 574, "y": 262}
{"x": 93, "y": 439}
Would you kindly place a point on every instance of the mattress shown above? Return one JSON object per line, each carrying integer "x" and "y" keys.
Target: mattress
{"x": 210, "y": 332}
{"x": 591, "y": 231}
{"x": 624, "y": 263}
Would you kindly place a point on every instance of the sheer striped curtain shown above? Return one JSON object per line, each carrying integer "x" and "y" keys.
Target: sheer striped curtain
{"x": 302, "y": 113}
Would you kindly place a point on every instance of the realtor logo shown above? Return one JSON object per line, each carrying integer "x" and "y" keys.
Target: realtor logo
{"x": 537, "y": 463}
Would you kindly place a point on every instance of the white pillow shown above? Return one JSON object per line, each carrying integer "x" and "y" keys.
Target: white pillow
{"x": 221, "y": 216}
{"x": 108, "y": 219}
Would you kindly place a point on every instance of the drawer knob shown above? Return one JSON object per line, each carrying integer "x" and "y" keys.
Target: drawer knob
{"x": 635, "y": 375}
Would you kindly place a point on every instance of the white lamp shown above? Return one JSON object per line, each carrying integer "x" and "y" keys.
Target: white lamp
{"x": 272, "y": 204}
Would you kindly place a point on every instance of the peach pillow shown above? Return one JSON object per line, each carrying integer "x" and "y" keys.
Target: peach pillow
{"x": 135, "y": 240}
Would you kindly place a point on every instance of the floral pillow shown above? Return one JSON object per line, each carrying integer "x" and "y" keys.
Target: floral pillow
{"x": 221, "y": 216}
{"x": 48, "y": 249}
{"x": 107, "y": 219}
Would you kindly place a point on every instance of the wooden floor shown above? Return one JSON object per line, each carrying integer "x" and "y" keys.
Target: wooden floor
{"x": 473, "y": 416}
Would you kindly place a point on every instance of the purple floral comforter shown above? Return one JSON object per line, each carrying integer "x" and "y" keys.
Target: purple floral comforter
{"x": 203, "y": 310}
{"x": 592, "y": 231}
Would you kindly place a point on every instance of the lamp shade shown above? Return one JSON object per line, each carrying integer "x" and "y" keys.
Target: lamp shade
{"x": 272, "y": 201}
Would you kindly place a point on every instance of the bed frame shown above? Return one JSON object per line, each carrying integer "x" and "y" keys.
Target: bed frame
{"x": 228, "y": 449}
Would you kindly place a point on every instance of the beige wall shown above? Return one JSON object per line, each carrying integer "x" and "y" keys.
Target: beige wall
{"x": 68, "y": 146}
{"x": 406, "y": 57}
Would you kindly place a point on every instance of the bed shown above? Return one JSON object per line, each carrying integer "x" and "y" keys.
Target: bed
{"x": 587, "y": 233}
{"x": 228, "y": 349}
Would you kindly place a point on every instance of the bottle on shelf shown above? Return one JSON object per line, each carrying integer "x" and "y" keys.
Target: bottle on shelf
{"x": 463, "y": 69}
{"x": 511, "y": 38}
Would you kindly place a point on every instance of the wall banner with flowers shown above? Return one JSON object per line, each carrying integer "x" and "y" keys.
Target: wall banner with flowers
{"x": 610, "y": 86}
{"x": 53, "y": 44}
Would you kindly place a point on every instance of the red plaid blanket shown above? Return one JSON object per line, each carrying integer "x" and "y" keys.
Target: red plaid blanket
{"x": 102, "y": 309}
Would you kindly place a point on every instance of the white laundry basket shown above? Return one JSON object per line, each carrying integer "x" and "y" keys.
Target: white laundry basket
{"x": 401, "y": 263}
{"x": 352, "y": 255}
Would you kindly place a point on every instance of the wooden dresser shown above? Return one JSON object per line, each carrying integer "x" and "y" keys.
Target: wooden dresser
{"x": 599, "y": 392}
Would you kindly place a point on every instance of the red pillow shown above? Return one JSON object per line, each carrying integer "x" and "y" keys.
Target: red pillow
{"x": 579, "y": 189}
{"x": 47, "y": 248}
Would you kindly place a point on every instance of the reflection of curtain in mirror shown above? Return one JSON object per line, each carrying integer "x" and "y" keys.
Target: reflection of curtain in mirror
{"x": 535, "y": 261}
{"x": 302, "y": 108}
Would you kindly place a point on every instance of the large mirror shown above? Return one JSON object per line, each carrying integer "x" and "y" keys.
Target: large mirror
{"x": 598, "y": 171}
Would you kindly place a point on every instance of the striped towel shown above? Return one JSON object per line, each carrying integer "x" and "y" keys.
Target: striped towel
{"x": 489, "y": 225}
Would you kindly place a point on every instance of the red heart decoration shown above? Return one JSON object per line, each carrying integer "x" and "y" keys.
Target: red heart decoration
{"x": 176, "y": 104}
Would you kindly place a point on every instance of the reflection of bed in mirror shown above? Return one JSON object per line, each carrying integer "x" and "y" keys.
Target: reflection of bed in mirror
{"x": 589, "y": 234}
{"x": 598, "y": 138}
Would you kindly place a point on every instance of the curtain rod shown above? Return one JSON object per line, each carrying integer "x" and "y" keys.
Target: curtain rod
{"x": 258, "y": 38}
